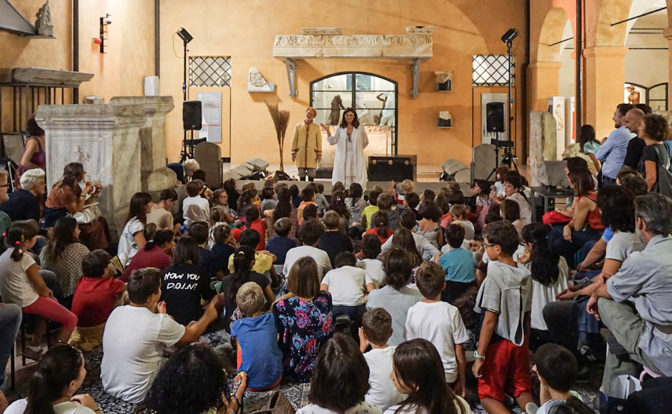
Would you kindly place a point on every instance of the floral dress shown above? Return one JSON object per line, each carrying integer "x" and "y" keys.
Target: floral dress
{"x": 303, "y": 325}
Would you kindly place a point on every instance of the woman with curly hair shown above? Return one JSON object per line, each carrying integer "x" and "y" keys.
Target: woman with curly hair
{"x": 193, "y": 380}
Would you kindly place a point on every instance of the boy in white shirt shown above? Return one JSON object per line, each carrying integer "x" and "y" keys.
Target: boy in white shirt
{"x": 309, "y": 233}
{"x": 440, "y": 323}
{"x": 347, "y": 285}
{"x": 369, "y": 262}
{"x": 375, "y": 331}
{"x": 201, "y": 209}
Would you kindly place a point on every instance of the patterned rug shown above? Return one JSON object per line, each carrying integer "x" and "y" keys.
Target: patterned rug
{"x": 296, "y": 393}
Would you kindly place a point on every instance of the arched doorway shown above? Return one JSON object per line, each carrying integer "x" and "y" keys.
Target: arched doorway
{"x": 373, "y": 97}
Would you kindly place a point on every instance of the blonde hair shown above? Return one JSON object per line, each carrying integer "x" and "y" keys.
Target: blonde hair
{"x": 407, "y": 185}
{"x": 250, "y": 299}
{"x": 310, "y": 108}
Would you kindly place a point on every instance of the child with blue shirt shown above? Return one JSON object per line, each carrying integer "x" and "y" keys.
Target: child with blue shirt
{"x": 280, "y": 243}
{"x": 258, "y": 354}
{"x": 458, "y": 264}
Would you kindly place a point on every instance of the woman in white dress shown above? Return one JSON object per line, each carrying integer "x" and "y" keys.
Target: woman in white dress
{"x": 350, "y": 140}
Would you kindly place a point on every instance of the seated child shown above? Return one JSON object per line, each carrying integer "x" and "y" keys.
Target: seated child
{"x": 268, "y": 200}
{"x": 198, "y": 230}
{"x": 375, "y": 331}
{"x": 411, "y": 202}
{"x": 254, "y": 222}
{"x": 223, "y": 248}
{"x": 440, "y": 323}
{"x": 370, "y": 263}
{"x": 370, "y": 210}
{"x": 418, "y": 372}
{"x": 320, "y": 199}
{"x": 195, "y": 207}
{"x": 340, "y": 380}
{"x": 556, "y": 368}
{"x": 310, "y": 233}
{"x": 458, "y": 265}
{"x": 310, "y": 212}
{"x": 400, "y": 191}
{"x": 263, "y": 260}
{"x": 333, "y": 240}
{"x": 380, "y": 227}
{"x": 308, "y": 197}
{"x": 504, "y": 301}
{"x": 94, "y": 299}
{"x": 258, "y": 354}
{"x": 385, "y": 203}
{"x": 459, "y": 215}
{"x": 347, "y": 285}
{"x": 280, "y": 244}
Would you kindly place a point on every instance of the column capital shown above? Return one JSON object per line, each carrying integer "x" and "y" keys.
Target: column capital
{"x": 605, "y": 51}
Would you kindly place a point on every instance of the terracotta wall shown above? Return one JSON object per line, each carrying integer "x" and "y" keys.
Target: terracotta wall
{"x": 120, "y": 71}
{"x": 246, "y": 30}
{"x": 47, "y": 53}
{"x": 129, "y": 48}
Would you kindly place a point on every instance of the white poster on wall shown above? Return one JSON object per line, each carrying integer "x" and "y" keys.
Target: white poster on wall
{"x": 211, "y": 104}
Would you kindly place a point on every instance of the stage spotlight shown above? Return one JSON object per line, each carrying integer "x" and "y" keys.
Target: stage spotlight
{"x": 509, "y": 35}
{"x": 185, "y": 36}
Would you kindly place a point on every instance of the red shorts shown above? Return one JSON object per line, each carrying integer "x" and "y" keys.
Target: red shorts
{"x": 506, "y": 371}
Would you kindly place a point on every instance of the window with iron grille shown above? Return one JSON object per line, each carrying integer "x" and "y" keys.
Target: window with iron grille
{"x": 209, "y": 71}
{"x": 491, "y": 70}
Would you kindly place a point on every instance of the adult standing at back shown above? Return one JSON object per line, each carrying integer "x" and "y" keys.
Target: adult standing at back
{"x": 307, "y": 145}
{"x": 636, "y": 145}
{"x": 350, "y": 140}
{"x": 654, "y": 130}
{"x": 612, "y": 152}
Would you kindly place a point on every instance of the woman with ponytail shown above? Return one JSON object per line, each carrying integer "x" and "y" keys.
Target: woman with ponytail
{"x": 550, "y": 275}
{"x": 22, "y": 284}
{"x": 63, "y": 256}
{"x": 52, "y": 388}
{"x": 243, "y": 262}
{"x": 394, "y": 295}
{"x": 417, "y": 371}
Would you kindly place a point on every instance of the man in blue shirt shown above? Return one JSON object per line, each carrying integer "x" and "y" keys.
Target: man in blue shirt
{"x": 613, "y": 150}
{"x": 635, "y": 304}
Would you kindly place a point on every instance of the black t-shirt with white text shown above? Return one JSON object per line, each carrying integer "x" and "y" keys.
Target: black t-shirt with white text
{"x": 182, "y": 288}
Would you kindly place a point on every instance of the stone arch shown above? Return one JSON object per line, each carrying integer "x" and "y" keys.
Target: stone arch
{"x": 611, "y": 11}
{"x": 551, "y": 32}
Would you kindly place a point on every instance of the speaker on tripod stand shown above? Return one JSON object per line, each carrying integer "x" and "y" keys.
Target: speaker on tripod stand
{"x": 192, "y": 115}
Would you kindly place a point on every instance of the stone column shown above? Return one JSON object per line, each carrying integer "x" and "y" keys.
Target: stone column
{"x": 604, "y": 82}
{"x": 668, "y": 35}
{"x": 154, "y": 174}
{"x": 542, "y": 143}
{"x": 104, "y": 138}
{"x": 544, "y": 78}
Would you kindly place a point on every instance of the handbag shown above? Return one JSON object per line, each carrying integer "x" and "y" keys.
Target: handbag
{"x": 664, "y": 177}
{"x": 277, "y": 404}
{"x": 555, "y": 217}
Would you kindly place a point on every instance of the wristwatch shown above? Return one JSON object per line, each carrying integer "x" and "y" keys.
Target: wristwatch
{"x": 477, "y": 356}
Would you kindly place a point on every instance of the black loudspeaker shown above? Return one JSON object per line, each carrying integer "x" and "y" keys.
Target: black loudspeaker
{"x": 191, "y": 115}
{"x": 494, "y": 114}
{"x": 384, "y": 168}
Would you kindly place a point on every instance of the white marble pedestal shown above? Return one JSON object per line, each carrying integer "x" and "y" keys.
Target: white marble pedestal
{"x": 105, "y": 139}
{"x": 154, "y": 174}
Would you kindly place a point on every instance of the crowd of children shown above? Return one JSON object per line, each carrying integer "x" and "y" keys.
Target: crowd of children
{"x": 384, "y": 301}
